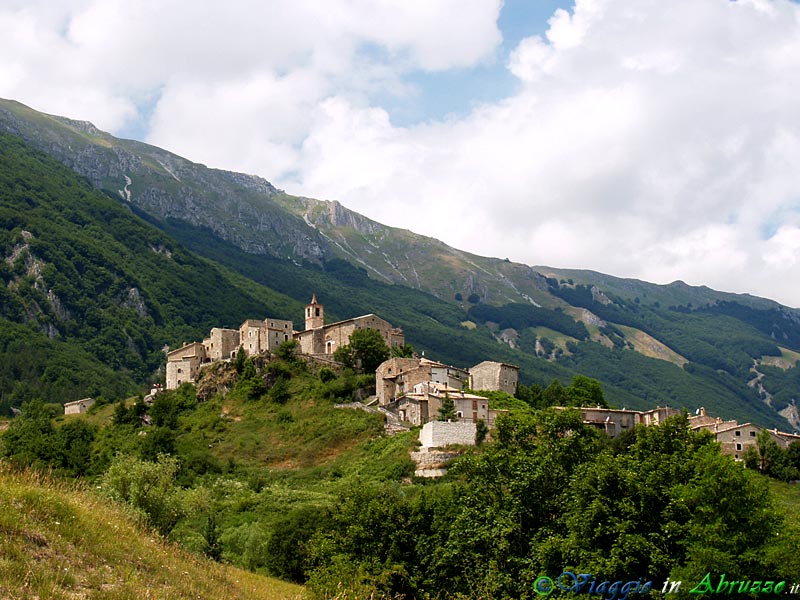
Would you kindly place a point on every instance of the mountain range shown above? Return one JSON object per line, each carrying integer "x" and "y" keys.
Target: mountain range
{"x": 115, "y": 249}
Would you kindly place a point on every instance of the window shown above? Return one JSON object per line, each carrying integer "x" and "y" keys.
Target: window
{"x": 738, "y": 446}
{"x": 179, "y": 370}
{"x": 752, "y": 434}
{"x": 460, "y": 415}
{"x": 738, "y": 433}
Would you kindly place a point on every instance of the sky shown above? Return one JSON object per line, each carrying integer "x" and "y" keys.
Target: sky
{"x": 651, "y": 139}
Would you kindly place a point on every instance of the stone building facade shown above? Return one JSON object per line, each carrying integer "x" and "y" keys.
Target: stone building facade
{"x": 735, "y": 439}
{"x": 398, "y": 376}
{"x": 490, "y": 375}
{"x": 257, "y": 336}
{"x": 221, "y": 344}
{"x": 184, "y": 363}
{"x": 318, "y": 338}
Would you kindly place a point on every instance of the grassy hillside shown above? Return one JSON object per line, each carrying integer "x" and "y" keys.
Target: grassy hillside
{"x": 249, "y": 465}
{"x": 61, "y": 541}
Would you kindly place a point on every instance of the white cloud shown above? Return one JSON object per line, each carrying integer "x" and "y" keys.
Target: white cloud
{"x": 121, "y": 53}
{"x": 646, "y": 139}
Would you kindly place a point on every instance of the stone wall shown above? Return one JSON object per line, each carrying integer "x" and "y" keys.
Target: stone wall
{"x": 181, "y": 371}
{"x": 438, "y": 434}
{"x": 78, "y": 407}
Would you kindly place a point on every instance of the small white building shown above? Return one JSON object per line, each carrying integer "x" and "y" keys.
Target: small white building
{"x": 78, "y": 407}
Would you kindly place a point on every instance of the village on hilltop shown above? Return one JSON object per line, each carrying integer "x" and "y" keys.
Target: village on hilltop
{"x": 412, "y": 391}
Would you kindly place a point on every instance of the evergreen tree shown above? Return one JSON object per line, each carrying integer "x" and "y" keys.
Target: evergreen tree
{"x": 447, "y": 411}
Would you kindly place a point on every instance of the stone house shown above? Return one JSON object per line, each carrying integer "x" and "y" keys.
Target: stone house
{"x": 184, "y": 363}
{"x": 78, "y": 407}
{"x": 257, "y": 336}
{"x": 614, "y": 421}
{"x": 221, "y": 344}
{"x": 490, "y": 376}
{"x": 735, "y": 439}
{"x": 783, "y": 439}
{"x": 421, "y": 405}
{"x": 318, "y": 338}
{"x": 398, "y": 376}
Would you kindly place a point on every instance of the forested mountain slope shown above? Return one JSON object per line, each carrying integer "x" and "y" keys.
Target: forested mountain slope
{"x": 91, "y": 293}
{"x": 648, "y": 344}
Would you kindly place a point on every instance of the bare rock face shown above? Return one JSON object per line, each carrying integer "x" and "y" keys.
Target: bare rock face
{"x": 217, "y": 378}
{"x": 237, "y": 207}
{"x": 135, "y": 301}
{"x": 791, "y": 414}
{"x": 590, "y": 318}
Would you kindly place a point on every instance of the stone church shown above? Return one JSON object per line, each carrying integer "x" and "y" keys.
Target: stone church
{"x": 318, "y": 338}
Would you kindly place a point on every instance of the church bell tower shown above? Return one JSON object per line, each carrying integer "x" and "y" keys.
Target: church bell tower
{"x": 315, "y": 314}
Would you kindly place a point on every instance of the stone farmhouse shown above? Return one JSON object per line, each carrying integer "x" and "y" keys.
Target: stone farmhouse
{"x": 259, "y": 336}
{"x": 735, "y": 438}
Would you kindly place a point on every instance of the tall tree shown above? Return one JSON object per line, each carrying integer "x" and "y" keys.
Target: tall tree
{"x": 366, "y": 350}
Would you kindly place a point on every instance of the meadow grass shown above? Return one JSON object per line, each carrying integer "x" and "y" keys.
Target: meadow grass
{"x": 60, "y": 540}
